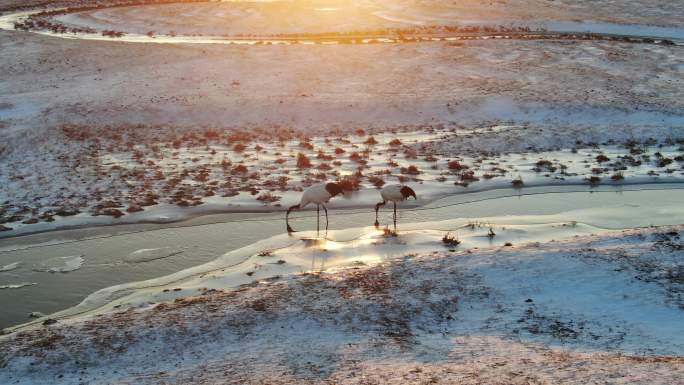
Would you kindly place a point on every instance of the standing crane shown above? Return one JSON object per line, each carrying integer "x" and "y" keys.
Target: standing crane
{"x": 318, "y": 194}
{"x": 393, "y": 193}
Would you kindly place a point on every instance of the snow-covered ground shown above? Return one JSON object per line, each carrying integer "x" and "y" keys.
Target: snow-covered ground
{"x": 581, "y": 310}
{"x": 107, "y": 132}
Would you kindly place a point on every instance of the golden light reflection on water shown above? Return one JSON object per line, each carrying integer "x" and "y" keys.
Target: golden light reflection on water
{"x": 325, "y": 254}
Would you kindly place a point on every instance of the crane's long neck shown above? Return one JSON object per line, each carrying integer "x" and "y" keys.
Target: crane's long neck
{"x": 377, "y": 207}
{"x": 287, "y": 217}
{"x": 292, "y": 208}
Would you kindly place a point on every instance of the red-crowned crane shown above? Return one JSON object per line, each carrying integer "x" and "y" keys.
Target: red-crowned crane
{"x": 318, "y": 194}
{"x": 393, "y": 193}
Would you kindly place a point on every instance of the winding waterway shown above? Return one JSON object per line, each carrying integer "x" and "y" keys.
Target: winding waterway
{"x": 118, "y": 254}
{"x": 551, "y": 29}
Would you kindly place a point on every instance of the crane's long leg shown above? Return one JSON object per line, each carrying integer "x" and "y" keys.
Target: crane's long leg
{"x": 377, "y": 207}
{"x": 318, "y": 210}
{"x": 395, "y": 216}
{"x": 326, "y": 217}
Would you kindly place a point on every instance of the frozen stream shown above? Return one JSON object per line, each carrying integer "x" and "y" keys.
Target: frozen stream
{"x": 674, "y": 33}
{"x": 59, "y": 269}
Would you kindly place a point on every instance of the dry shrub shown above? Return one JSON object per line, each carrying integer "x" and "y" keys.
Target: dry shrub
{"x": 306, "y": 145}
{"x": 468, "y": 176}
{"x": 376, "y": 181}
{"x": 303, "y": 161}
{"x": 267, "y": 197}
{"x": 322, "y": 156}
{"x": 370, "y": 141}
{"x": 239, "y": 169}
{"x": 349, "y": 183}
{"x": 410, "y": 170}
{"x": 212, "y": 134}
{"x": 355, "y": 157}
{"x": 455, "y": 165}
{"x": 602, "y": 158}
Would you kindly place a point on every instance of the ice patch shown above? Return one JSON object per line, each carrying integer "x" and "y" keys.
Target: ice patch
{"x": 17, "y": 285}
{"x": 13, "y": 111}
{"x": 147, "y": 255}
{"x": 61, "y": 264}
{"x": 617, "y": 29}
{"x": 9, "y": 267}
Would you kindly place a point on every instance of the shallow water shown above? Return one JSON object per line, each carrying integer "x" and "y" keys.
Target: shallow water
{"x": 599, "y": 27}
{"x": 119, "y": 254}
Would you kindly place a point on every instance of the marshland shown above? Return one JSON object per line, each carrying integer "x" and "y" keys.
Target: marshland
{"x": 150, "y": 150}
